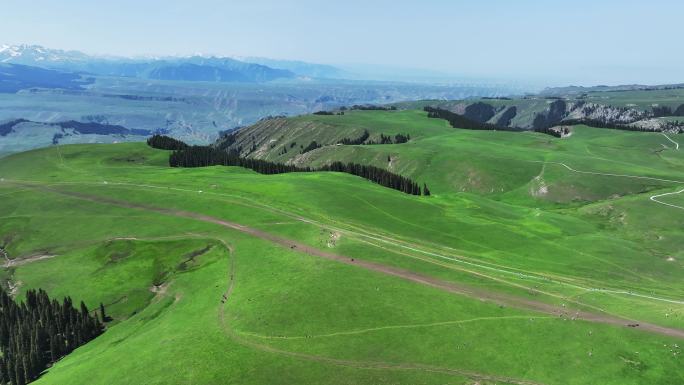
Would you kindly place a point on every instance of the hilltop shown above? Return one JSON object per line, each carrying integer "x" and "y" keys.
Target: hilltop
{"x": 448, "y": 159}
{"x": 643, "y": 108}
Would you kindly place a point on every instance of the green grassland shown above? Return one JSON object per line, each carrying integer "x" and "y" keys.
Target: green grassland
{"x": 501, "y": 165}
{"x": 640, "y": 99}
{"x": 197, "y": 302}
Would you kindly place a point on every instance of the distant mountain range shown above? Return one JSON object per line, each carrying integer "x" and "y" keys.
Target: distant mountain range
{"x": 192, "y": 68}
{"x": 301, "y": 68}
{"x": 15, "y": 77}
{"x": 50, "y": 96}
{"x": 578, "y": 90}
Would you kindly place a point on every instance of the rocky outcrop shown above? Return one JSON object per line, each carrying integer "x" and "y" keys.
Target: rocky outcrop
{"x": 556, "y": 112}
{"x": 679, "y": 111}
{"x": 605, "y": 113}
{"x": 507, "y": 116}
{"x": 479, "y": 112}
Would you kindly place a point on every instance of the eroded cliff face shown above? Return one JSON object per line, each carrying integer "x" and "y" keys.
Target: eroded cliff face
{"x": 594, "y": 111}
{"x": 538, "y": 116}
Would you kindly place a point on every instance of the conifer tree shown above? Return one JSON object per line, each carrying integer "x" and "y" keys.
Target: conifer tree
{"x": 38, "y": 332}
{"x": 203, "y": 156}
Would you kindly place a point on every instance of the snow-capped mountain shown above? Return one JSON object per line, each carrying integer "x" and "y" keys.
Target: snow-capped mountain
{"x": 172, "y": 68}
{"x": 196, "y": 67}
{"x": 39, "y": 56}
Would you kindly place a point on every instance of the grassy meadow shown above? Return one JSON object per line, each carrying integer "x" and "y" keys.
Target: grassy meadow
{"x": 564, "y": 222}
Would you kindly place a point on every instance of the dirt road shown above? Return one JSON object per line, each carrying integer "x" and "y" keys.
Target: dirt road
{"x": 654, "y": 198}
{"x": 451, "y": 287}
{"x": 23, "y": 261}
{"x": 375, "y": 365}
{"x": 675, "y": 143}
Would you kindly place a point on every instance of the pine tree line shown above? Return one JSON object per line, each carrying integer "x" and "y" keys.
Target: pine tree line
{"x": 376, "y": 175}
{"x": 387, "y": 139}
{"x": 368, "y": 107}
{"x": 38, "y": 332}
{"x": 312, "y": 146}
{"x": 328, "y": 113}
{"x": 556, "y": 133}
{"x": 384, "y": 139}
{"x": 460, "y": 121}
{"x": 203, "y": 156}
{"x": 164, "y": 142}
{"x": 355, "y": 141}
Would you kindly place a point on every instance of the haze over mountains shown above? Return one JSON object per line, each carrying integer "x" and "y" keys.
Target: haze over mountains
{"x": 297, "y": 192}
{"x": 195, "y": 68}
{"x": 202, "y": 67}
{"x": 51, "y": 96}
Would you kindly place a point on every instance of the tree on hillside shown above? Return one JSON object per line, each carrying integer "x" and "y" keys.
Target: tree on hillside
{"x": 103, "y": 315}
{"x": 312, "y": 146}
{"x": 164, "y": 142}
{"x": 38, "y": 332}
{"x": 203, "y": 156}
{"x": 355, "y": 141}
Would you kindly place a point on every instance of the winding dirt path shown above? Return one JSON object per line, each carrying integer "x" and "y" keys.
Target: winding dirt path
{"x": 374, "y": 365}
{"x": 675, "y": 143}
{"x": 610, "y": 174}
{"x": 501, "y": 299}
{"x": 395, "y": 327}
{"x": 376, "y": 239}
{"x": 654, "y": 198}
{"x": 23, "y": 261}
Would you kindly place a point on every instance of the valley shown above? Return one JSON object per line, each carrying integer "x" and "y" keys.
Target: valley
{"x": 193, "y": 98}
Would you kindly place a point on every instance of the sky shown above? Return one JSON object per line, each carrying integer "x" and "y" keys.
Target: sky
{"x": 554, "y": 41}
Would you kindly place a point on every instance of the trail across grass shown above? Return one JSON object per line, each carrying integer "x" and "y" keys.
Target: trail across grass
{"x": 673, "y": 142}
{"x": 336, "y": 280}
{"x": 400, "y": 273}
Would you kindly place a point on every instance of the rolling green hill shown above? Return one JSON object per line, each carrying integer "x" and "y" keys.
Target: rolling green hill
{"x": 633, "y": 107}
{"x": 525, "y": 266}
{"x": 507, "y": 166}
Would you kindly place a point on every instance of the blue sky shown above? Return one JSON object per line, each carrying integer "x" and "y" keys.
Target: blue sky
{"x": 558, "y": 42}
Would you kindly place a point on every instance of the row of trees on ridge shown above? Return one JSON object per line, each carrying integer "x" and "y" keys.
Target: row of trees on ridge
{"x": 383, "y": 139}
{"x": 203, "y": 156}
{"x": 164, "y": 142}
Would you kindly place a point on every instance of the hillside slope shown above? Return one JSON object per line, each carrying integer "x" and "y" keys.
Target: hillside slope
{"x": 502, "y": 165}
{"x": 640, "y": 108}
{"x": 219, "y": 274}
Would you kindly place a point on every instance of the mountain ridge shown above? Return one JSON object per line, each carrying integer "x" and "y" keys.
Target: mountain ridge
{"x": 243, "y": 70}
